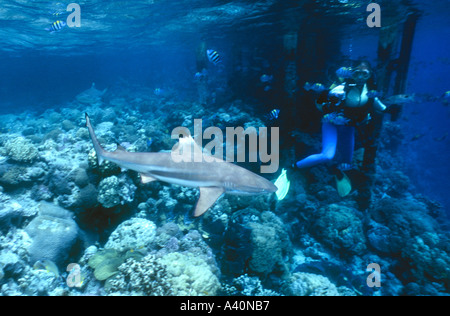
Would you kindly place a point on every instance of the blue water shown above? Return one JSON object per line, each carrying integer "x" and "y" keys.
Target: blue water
{"x": 151, "y": 73}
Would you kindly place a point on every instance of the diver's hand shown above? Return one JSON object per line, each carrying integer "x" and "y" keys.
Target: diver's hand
{"x": 394, "y": 110}
{"x": 379, "y": 106}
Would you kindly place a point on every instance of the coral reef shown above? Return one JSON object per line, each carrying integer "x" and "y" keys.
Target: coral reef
{"x": 270, "y": 243}
{"x": 429, "y": 257}
{"x": 340, "y": 228}
{"x": 245, "y": 285}
{"x": 54, "y": 234}
{"x": 190, "y": 275}
{"x": 308, "y": 284}
{"x": 106, "y": 262}
{"x": 135, "y": 233}
{"x": 21, "y": 149}
{"x": 58, "y": 206}
{"x": 144, "y": 277}
{"x": 115, "y": 191}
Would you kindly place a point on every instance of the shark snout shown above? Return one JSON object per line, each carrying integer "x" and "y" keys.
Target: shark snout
{"x": 270, "y": 187}
{"x": 262, "y": 185}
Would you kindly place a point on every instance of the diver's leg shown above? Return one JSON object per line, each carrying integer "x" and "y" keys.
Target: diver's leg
{"x": 346, "y": 144}
{"x": 329, "y": 141}
{"x": 373, "y": 131}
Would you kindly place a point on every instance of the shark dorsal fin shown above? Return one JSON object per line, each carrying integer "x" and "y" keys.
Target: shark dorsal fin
{"x": 187, "y": 145}
{"x": 120, "y": 148}
{"x": 208, "y": 196}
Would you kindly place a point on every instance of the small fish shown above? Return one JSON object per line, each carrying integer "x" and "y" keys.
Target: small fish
{"x": 158, "y": 91}
{"x": 317, "y": 87}
{"x": 273, "y": 115}
{"x": 58, "y": 9}
{"x": 446, "y": 98}
{"x": 56, "y": 26}
{"x": 417, "y": 137}
{"x": 198, "y": 76}
{"x": 440, "y": 139}
{"x": 267, "y": 88}
{"x": 266, "y": 78}
{"x": 149, "y": 141}
{"x": 400, "y": 99}
{"x": 213, "y": 56}
{"x": 187, "y": 218}
{"x": 58, "y": 13}
{"x": 48, "y": 266}
{"x": 373, "y": 94}
{"x": 344, "y": 72}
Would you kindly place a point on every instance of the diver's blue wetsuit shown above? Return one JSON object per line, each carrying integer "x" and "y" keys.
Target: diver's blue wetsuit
{"x": 346, "y": 107}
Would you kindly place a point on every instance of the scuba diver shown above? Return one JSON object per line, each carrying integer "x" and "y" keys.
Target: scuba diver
{"x": 348, "y": 107}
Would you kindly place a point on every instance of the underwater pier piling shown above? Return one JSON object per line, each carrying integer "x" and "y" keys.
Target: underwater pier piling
{"x": 388, "y": 63}
{"x": 389, "y": 38}
{"x": 409, "y": 29}
{"x": 202, "y": 64}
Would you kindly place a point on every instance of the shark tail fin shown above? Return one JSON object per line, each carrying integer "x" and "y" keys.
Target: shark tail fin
{"x": 98, "y": 148}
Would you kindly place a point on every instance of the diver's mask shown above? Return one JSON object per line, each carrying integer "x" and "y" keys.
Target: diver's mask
{"x": 361, "y": 75}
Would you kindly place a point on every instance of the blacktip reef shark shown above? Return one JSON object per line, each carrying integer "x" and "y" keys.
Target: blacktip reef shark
{"x": 213, "y": 176}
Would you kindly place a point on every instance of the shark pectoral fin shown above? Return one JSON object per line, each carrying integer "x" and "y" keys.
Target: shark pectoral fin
{"x": 208, "y": 196}
{"x": 146, "y": 179}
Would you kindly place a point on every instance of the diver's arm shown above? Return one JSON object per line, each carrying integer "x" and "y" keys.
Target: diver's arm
{"x": 331, "y": 97}
{"x": 322, "y": 100}
{"x": 379, "y": 106}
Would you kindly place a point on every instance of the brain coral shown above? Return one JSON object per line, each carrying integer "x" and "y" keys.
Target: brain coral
{"x": 340, "y": 228}
{"x": 190, "y": 274}
{"x": 308, "y": 284}
{"x": 134, "y": 233}
{"x": 21, "y": 150}
{"x": 270, "y": 243}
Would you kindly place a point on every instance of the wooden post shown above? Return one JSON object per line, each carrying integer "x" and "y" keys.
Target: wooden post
{"x": 202, "y": 64}
{"x": 409, "y": 30}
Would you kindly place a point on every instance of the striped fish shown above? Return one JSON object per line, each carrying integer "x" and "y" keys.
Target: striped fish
{"x": 273, "y": 115}
{"x": 213, "y": 56}
{"x": 56, "y": 26}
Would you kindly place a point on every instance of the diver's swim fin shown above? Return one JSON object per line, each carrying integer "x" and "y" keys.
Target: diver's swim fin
{"x": 343, "y": 184}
